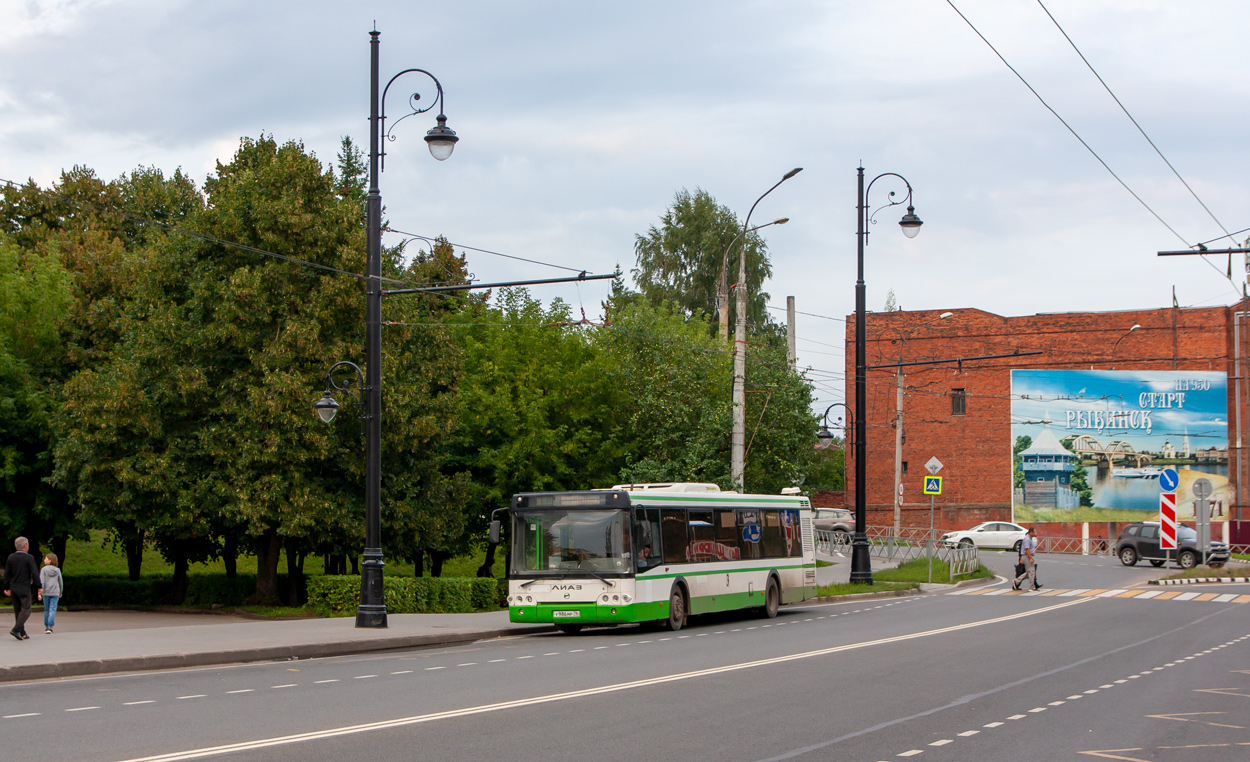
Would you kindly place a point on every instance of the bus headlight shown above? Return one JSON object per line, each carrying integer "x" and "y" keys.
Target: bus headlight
{"x": 604, "y": 598}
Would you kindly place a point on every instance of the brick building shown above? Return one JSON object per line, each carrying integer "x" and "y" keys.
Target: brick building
{"x": 960, "y": 412}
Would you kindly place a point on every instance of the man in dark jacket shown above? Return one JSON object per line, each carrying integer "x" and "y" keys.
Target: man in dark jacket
{"x": 21, "y": 578}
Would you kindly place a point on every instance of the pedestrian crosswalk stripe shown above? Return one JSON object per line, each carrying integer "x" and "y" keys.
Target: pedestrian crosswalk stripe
{"x": 1137, "y": 595}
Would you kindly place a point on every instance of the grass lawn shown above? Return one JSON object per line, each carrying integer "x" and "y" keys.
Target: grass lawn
{"x": 97, "y": 557}
{"x": 907, "y": 576}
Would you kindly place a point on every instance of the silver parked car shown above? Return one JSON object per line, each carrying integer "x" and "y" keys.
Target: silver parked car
{"x": 834, "y": 520}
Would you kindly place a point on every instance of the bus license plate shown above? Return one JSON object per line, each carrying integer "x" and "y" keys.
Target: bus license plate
{"x": 566, "y": 614}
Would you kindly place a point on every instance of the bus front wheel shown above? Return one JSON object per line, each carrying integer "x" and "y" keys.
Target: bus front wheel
{"x": 676, "y": 609}
{"x": 772, "y": 599}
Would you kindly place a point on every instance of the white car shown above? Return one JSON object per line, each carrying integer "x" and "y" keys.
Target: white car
{"x": 988, "y": 534}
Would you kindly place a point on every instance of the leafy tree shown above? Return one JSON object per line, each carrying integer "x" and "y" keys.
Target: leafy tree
{"x": 680, "y": 262}
{"x": 34, "y": 300}
{"x": 1022, "y": 443}
{"x": 828, "y": 469}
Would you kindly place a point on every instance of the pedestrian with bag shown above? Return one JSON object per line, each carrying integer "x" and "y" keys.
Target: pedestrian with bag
{"x": 51, "y": 585}
{"x": 1026, "y": 568}
{"x": 21, "y": 578}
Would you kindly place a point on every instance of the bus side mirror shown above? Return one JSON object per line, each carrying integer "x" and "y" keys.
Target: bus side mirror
{"x": 494, "y": 532}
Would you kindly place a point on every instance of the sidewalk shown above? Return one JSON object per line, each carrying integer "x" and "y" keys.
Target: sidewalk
{"x": 103, "y": 641}
{"x": 95, "y": 642}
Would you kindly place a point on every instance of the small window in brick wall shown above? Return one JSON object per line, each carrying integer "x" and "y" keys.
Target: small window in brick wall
{"x": 959, "y": 402}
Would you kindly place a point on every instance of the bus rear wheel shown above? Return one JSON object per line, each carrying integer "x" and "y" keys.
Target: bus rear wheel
{"x": 569, "y": 629}
{"x": 772, "y": 599}
{"x": 676, "y": 610}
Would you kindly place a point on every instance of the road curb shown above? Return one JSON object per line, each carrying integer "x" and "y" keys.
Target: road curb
{"x": 243, "y": 655}
{"x": 1197, "y": 580}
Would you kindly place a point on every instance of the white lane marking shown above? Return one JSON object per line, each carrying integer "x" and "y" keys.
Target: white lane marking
{"x": 1091, "y": 690}
{"x": 402, "y": 672}
{"x": 597, "y": 648}
{"x": 286, "y": 685}
{"x": 212, "y": 751}
{"x": 319, "y": 682}
{"x": 912, "y": 753}
{"x": 137, "y": 703}
{"x": 1148, "y": 594}
{"x": 82, "y": 708}
{"x": 1017, "y": 716}
{"x": 992, "y": 725}
{"x": 365, "y": 677}
{"x": 495, "y": 661}
{"x": 242, "y": 690}
{"x": 580, "y": 650}
{"x": 197, "y": 695}
{"x": 1117, "y": 682}
{"x": 1057, "y": 703}
{"x": 943, "y": 742}
{"x": 1038, "y": 709}
{"x": 967, "y": 733}
{"x": 15, "y": 716}
{"x": 1108, "y": 685}
{"x": 1225, "y": 598}
{"x": 1110, "y": 593}
{"x": 553, "y": 653}
{"x": 1187, "y": 597}
{"x": 1074, "y": 698}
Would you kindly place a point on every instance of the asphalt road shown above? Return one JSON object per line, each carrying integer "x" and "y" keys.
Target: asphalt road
{"x": 940, "y": 677}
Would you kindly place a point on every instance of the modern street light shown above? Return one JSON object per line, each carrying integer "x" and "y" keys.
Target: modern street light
{"x": 738, "y": 444}
{"x": 371, "y": 611}
{"x": 861, "y": 564}
{"x": 722, "y": 291}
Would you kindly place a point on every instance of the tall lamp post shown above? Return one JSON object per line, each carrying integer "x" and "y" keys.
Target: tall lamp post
{"x": 738, "y": 444}
{"x": 861, "y": 564}
{"x": 722, "y": 290}
{"x": 371, "y": 611}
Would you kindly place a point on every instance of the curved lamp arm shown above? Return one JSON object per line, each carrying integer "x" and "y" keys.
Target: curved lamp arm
{"x": 910, "y": 223}
{"x": 825, "y": 435}
{"x": 440, "y": 138}
{"x": 327, "y": 407}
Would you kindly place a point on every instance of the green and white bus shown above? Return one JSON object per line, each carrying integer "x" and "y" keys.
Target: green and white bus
{"x": 656, "y": 553}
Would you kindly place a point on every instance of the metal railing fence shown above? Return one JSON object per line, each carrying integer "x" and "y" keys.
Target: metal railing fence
{"x": 908, "y": 545}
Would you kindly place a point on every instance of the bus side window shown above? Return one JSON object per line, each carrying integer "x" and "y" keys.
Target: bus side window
{"x": 772, "y": 536}
{"x": 674, "y": 533}
{"x": 702, "y": 542}
{"x": 727, "y": 548}
{"x": 647, "y": 537}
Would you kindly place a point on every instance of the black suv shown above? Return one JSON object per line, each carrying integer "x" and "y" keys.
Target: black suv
{"x": 1140, "y": 540}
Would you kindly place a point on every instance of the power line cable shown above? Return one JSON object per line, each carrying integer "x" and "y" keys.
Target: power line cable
{"x": 1107, "y": 87}
{"x": 1068, "y": 126}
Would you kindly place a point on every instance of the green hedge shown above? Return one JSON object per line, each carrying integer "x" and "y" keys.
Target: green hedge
{"x": 203, "y": 590}
{"x": 339, "y": 594}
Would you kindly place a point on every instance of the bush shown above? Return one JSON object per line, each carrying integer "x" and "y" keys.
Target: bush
{"x": 339, "y": 594}
{"x": 203, "y": 591}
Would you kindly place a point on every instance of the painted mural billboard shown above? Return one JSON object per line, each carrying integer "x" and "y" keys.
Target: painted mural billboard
{"x": 1089, "y": 445}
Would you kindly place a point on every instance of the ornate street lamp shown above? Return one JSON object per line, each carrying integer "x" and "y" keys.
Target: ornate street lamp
{"x": 825, "y": 436}
{"x": 371, "y": 611}
{"x": 861, "y": 564}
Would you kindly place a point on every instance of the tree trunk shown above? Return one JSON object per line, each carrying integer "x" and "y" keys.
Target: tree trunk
{"x": 268, "y": 549}
{"x": 230, "y": 554}
{"x": 294, "y": 573}
{"x": 134, "y": 555}
{"x": 355, "y": 565}
{"x": 179, "y": 593}
{"x": 59, "y": 544}
{"x": 485, "y": 569}
{"x": 418, "y": 564}
{"x": 436, "y": 563}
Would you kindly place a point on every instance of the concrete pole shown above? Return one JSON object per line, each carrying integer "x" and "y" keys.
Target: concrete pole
{"x": 898, "y": 448}
{"x": 790, "y": 333}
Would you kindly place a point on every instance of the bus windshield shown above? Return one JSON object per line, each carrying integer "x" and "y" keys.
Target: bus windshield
{"x": 563, "y": 542}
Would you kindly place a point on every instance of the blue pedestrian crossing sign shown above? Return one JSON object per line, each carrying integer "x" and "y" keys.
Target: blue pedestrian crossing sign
{"x": 933, "y": 485}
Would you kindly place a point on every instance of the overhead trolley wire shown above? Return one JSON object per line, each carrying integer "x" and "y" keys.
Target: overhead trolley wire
{"x": 1069, "y": 127}
{"x": 1107, "y": 87}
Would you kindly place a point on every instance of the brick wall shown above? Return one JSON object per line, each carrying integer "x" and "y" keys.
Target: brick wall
{"x": 975, "y": 448}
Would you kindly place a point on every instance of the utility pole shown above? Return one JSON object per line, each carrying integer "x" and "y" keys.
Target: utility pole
{"x": 790, "y": 333}
{"x": 898, "y": 448}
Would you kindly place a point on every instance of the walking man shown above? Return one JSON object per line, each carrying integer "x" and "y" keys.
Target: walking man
{"x": 21, "y": 578}
{"x": 1027, "y": 546}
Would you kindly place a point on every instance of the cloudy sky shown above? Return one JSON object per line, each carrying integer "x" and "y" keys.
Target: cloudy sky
{"x": 580, "y": 120}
